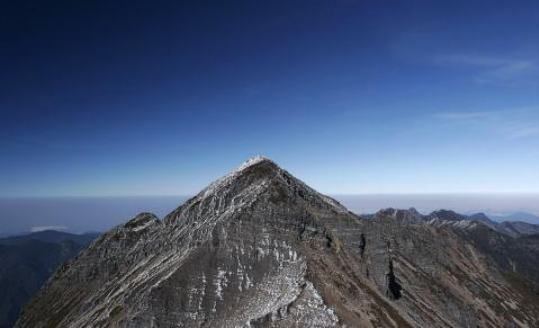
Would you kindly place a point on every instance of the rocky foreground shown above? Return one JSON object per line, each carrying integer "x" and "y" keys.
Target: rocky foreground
{"x": 259, "y": 248}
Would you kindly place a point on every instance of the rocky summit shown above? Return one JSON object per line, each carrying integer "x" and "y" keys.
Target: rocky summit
{"x": 259, "y": 248}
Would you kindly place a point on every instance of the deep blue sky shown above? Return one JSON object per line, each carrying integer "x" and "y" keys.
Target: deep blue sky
{"x": 162, "y": 97}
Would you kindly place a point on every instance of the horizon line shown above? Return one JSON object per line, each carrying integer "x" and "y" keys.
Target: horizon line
{"x": 471, "y": 193}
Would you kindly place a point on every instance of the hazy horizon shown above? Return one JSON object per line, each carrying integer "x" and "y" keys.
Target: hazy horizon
{"x": 94, "y": 213}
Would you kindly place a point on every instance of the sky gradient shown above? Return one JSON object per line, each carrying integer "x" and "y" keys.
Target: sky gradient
{"x": 101, "y": 98}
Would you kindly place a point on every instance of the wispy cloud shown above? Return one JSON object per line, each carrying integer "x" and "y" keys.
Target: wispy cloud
{"x": 456, "y": 116}
{"x": 510, "y": 68}
{"x": 510, "y": 73}
{"x": 524, "y": 132}
{"x": 513, "y": 123}
{"x": 471, "y": 60}
{"x": 45, "y": 228}
{"x": 493, "y": 70}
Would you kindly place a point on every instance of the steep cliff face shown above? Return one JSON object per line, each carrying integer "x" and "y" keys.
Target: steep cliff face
{"x": 514, "y": 254}
{"x": 259, "y": 248}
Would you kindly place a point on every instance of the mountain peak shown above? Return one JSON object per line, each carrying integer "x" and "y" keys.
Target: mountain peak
{"x": 258, "y": 165}
{"x": 254, "y": 161}
{"x": 256, "y": 179}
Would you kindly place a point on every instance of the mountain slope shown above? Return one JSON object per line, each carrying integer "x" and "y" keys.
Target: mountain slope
{"x": 517, "y": 228}
{"x": 512, "y": 255}
{"x": 260, "y": 248}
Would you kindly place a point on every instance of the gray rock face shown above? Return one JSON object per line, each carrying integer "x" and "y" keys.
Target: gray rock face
{"x": 512, "y": 255}
{"x": 409, "y": 216}
{"x": 259, "y": 248}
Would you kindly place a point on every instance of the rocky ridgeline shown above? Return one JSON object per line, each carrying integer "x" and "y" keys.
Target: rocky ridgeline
{"x": 447, "y": 217}
{"x": 259, "y": 248}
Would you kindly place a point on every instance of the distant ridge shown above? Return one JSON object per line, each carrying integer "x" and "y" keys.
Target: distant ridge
{"x": 50, "y": 236}
{"x": 27, "y": 261}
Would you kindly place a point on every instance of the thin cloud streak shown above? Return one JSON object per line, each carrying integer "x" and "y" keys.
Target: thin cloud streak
{"x": 455, "y": 116}
{"x": 471, "y": 60}
{"x": 510, "y": 73}
{"x": 525, "y": 132}
{"x": 512, "y": 123}
{"x": 493, "y": 70}
{"x": 506, "y": 69}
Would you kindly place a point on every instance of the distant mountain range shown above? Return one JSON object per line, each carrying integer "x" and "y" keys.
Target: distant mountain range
{"x": 516, "y": 216}
{"x": 448, "y": 217}
{"x": 27, "y": 261}
{"x": 259, "y": 248}
{"x": 50, "y": 236}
